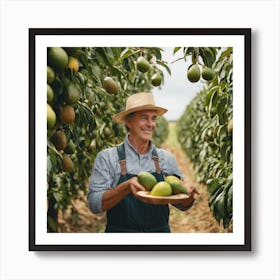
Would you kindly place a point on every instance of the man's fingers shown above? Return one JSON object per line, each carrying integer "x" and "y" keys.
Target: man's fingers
{"x": 135, "y": 188}
{"x": 196, "y": 191}
{"x": 193, "y": 190}
{"x": 139, "y": 187}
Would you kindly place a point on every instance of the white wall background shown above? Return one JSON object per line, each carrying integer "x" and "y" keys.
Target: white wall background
{"x": 16, "y": 262}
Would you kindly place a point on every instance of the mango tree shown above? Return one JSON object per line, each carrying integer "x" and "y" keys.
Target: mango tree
{"x": 205, "y": 129}
{"x": 86, "y": 86}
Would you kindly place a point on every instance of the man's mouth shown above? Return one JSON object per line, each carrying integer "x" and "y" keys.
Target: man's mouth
{"x": 147, "y": 131}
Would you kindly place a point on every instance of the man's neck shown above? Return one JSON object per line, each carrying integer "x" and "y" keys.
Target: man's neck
{"x": 140, "y": 147}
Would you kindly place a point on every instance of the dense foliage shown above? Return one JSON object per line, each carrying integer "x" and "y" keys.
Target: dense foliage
{"x": 205, "y": 130}
{"x": 86, "y": 86}
{"x": 161, "y": 132}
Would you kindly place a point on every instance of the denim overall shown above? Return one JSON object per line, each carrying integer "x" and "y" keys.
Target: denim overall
{"x": 133, "y": 215}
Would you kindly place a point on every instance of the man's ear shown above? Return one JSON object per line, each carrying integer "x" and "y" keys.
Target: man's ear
{"x": 127, "y": 124}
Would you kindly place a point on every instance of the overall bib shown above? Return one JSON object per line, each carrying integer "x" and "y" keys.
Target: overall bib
{"x": 133, "y": 215}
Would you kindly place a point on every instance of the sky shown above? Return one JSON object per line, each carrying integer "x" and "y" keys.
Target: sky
{"x": 177, "y": 91}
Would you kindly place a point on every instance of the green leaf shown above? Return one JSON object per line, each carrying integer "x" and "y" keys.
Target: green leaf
{"x": 213, "y": 102}
{"x": 222, "y": 106}
{"x": 223, "y": 151}
{"x": 223, "y": 119}
{"x": 102, "y": 128}
{"x": 213, "y": 185}
{"x": 217, "y": 192}
{"x": 176, "y": 49}
{"x": 52, "y": 224}
{"x": 165, "y": 66}
{"x": 229, "y": 200}
{"x": 208, "y": 59}
{"x": 49, "y": 165}
{"x": 222, "y": 132}
{"x": 210, "y": 93}
{"x": 156, "y": 52}
{"x": 188, "y": 50}
{"x": 127, "y": 53}
{"x": 219, "y": 206}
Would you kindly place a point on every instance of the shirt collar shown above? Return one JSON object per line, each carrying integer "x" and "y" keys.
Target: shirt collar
{"x": 128, "y": 144}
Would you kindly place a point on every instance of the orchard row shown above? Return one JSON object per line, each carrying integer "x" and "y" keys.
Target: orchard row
{"x": 85, "y": 88}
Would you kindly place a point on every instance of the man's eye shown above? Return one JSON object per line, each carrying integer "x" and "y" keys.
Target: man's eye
{"x": 147, "y": 118}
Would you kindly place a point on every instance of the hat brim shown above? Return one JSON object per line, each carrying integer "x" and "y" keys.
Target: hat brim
{"x": 120, "y": 117}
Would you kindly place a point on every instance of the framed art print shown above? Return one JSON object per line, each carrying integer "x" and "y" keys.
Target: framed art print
{"x": 81, "y": 78}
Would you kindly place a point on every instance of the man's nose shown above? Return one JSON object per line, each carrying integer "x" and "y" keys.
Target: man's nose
{"x": 151, "y": 122}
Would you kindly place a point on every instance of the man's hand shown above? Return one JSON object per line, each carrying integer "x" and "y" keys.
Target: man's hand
{"x": 191, "y": 196}
{"x": 135, "y": 186}
{"x": 113, "y": 196}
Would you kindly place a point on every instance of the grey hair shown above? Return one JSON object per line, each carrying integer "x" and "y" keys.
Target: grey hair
{"x": 127, "y": 118}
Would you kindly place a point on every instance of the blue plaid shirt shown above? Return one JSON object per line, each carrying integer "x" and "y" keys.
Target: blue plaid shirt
{"x": 106, "y": 170}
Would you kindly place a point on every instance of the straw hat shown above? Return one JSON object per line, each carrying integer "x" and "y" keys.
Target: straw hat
{"x": 139, "y": 102}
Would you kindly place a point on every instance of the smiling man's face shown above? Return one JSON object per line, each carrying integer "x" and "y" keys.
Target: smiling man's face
{"x": 142, "y": 125}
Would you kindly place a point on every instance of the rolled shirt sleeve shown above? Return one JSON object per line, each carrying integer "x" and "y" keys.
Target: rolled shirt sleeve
{"x": 101, "y": 180}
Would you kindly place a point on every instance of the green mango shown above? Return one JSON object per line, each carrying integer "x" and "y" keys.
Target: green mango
{"x": 156, "y": 79}
{"x": 193, "y": 73}
{"x": 142, "y": 64}
{"x": 147, "y": 180}
{"x": 57, "y": 58}
{"x": 161, "y": 189}
{"x": 50, "y": 75}
{"x": 208, "y": 74}
{"x": 177, "y": 187}
{"x": 171, "y": 178}
{"x": 51, "y": 117}
{"x": 110, "y": 85}
{"x": 73, "y": 93}
{"x": 50, "y": 94}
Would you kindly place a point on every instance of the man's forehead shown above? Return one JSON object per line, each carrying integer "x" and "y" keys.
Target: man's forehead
{"x": 146, "y": 113}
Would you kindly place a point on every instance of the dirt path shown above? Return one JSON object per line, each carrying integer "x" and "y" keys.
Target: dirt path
{"x": 197, "y": 219}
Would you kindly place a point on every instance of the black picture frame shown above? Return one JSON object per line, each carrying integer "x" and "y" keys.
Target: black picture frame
{"x": 35, "y": 33}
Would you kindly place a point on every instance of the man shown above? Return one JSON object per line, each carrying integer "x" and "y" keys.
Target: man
{"x": 113, "y": 184}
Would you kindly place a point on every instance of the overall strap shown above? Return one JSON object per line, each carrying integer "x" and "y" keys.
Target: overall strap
{"x": 121, "y": 153}
{"x": 156, "y": 160}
